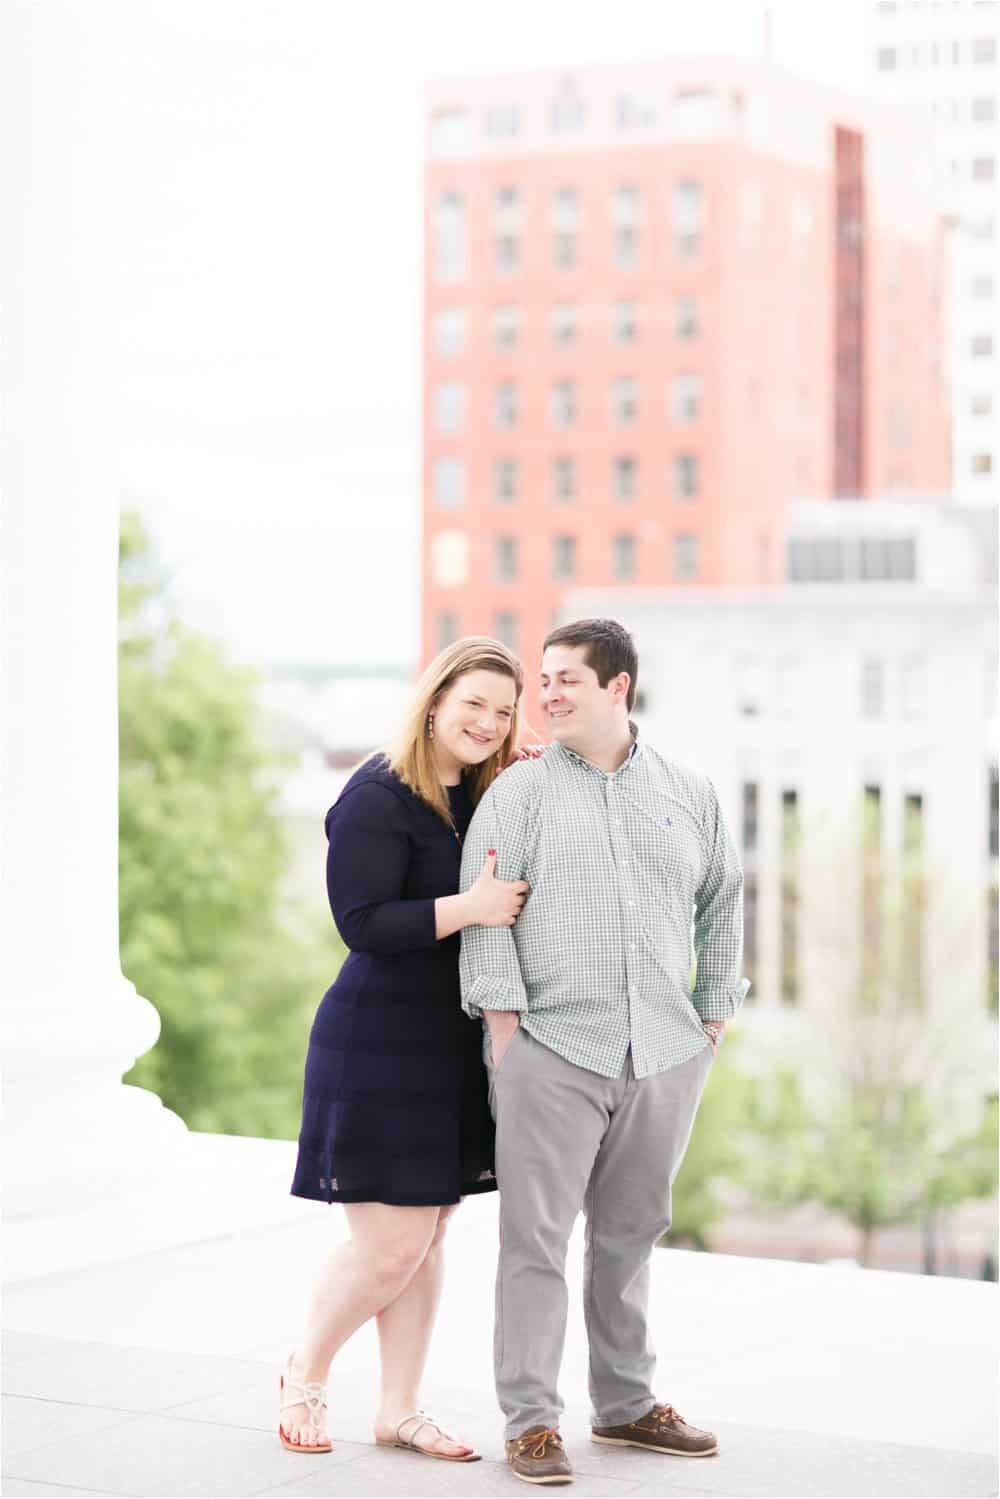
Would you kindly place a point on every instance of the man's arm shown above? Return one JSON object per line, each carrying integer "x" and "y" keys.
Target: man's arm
{"x": 489, "y": 967}
{"x": 718, "y": 924}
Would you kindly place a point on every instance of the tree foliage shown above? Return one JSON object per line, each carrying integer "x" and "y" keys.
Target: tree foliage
{"x": 204, "y": 932}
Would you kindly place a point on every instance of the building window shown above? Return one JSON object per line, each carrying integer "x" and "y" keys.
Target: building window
{"x": 885, "y": 59}
{"x": 506, "y": 327}
{"x": 505, "y": 481}
{"x": 567, "y": 111}
{"x": 449, "y": 133}
{"x": 993, "y": 813}
{"x": 505, "y": 404}
{"x": 983, "y": 288}
{"x": 624, "y": 400}
{"x": 446, "y": 628}
{"x": 507, "y": 223}
{"x": 984, "y": 49}
{"x": 565, "y": 227}
{"x": 686, "y": 476}
{"x": 872, "y": 687}
{"x": 623, "y": 558}
{"x": 984, "y": 169}
{"x": 449, "y": 407}
{"x": 982, "y": 346}
{"x": 448, "y": 231}
{"x": 789, "y": 917}
{"x": 625, "y": 327}
{"x": 993, "y": 950}
{"x": 981, "y": 403}
{"x": 912, "y": 905}
{"x": 685, "y": 399}
{"x": 984, "y": 229}
{"x": 982, "y": 463}
{"x": 685, "y": 557}
{"x": 626, "y": 213}
{"x": 505, "y": 558}
{"x": 686, "y": 318}
{"x": 634, "y": 111}
{"x": 624, "y": 473}
{"x": 448, "y": 335}
{"x": 450, "y": 559}
{"x": 503, "y": 120}
{"x": 984, "y": 111}
{"x": 871, "y": 898}
{"x": 505, "y": 629}
{"x": 751, "y": 816}
{"x": 750, "y": 926}
{"x": 695, "y": 114}
{"x": 563, "y": 480}
{"x": 563, "y": 558}
{"x": 687, "y": 218}
{"x": 449, "y": 483}
{"x": 564, "y": 324}
{"x": 562, "y": 403}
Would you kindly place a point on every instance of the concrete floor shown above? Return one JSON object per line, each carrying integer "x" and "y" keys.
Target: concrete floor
{"x": 157, "y": 1376}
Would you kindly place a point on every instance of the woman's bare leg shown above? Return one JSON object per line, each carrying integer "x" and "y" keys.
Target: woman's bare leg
{"x": 404, "y": 1334}
{"x": 387, "y": 1247}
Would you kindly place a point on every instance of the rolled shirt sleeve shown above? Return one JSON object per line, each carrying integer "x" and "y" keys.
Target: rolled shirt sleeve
{"x": 718, "y": 922}
{"x": 489, "y": 966}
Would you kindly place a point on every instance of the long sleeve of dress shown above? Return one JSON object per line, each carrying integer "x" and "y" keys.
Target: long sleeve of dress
{"x": 366, "y": 866}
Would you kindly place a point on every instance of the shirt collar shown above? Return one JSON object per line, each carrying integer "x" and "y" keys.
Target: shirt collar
{"x": 629, "y": 758}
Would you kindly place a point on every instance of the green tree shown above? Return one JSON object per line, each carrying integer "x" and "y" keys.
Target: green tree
{"x": 715, "y": 1156}
{"x": 205, "y": 935}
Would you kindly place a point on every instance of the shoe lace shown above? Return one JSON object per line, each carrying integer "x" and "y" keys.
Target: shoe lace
{"x": 537, "y": 1441}
{"x": 665, "y": 1415}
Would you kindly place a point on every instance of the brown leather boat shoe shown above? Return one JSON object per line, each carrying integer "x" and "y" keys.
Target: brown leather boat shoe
{"x": 660, "y": 1430}
{"x": 538, "y": 1456}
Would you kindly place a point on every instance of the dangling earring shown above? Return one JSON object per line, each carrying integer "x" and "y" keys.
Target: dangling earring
{"x": 430, "y": 725}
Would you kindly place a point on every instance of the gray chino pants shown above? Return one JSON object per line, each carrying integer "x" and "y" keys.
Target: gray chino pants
{"x": 569, "y": 1139}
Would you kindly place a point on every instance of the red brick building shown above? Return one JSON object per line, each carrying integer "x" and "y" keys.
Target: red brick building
{"x": 661, "y": 302}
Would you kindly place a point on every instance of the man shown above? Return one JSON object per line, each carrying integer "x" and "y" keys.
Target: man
{"x": 597, "y": 1048}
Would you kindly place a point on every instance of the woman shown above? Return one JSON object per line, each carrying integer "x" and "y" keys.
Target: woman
{"x": 395, "y": 1119}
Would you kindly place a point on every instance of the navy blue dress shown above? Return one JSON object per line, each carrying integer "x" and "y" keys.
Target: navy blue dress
{"x": 395, "y": 1107}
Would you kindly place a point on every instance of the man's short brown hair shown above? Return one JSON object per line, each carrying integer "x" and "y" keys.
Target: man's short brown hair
{"x": 608, "y": 649}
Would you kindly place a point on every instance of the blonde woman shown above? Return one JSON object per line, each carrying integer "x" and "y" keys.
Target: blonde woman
{"x": 395, "y": 1121}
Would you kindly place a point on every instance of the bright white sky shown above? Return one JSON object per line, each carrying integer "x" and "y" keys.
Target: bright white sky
{"x": 266, "y": 231}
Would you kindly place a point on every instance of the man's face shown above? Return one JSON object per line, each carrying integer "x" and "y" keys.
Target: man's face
{"x": 577, "y": 709}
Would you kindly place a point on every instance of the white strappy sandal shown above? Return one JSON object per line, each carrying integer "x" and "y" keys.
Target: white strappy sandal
{"x": 312, "y": 1395}
{"x": 410, "y": 1442}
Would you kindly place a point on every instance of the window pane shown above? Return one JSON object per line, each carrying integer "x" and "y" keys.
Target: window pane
{"x": 686, "y": 218}
{"x": 446, "y": 628}
{"x": 685, "y": 399}
{"x": 505, "y": 558}
{"x": 686, "y": 476}
{"x": 625, "y": 400}
{"x": 505, "y": 404}
{"x": 449, "y": 483}
{"x": 563, "y": 557}
{"x": 505, "y": 481}
{"x": 872, "y": 688}
{"x": 505, "y": 629}
{"x": 686, "y": 317}
{"x": 624, "y": 471}
{"x": 449, "y": 332}
{"x": 563, "y": 479}
{"x": 503, "y": 120}
{"x": 565, "y": 210}
{"x": 449, "y": 407}
{"x": 623, "y": 558}
{"x": 625, "y": 325}
{"x": 685, "y": 557}
{"x": 564, "y": 323}
{"x": 506, "y": 327}
{"x": 562, "y": 403}
{"x": 450, "y": 133}
{"x": 448, "y": 232}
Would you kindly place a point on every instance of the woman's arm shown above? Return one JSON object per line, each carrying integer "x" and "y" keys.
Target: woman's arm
{"x": 366, "y": 866}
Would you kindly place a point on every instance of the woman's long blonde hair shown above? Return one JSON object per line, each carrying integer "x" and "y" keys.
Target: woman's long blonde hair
{"x": 410, "y": 754}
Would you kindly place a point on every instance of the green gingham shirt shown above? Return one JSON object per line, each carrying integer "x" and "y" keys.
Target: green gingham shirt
{"x": 618, "y": 864}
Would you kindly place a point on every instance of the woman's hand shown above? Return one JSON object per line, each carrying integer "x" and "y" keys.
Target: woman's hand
{"x": 530, "y": 751}
{"x": 494, "y": 902}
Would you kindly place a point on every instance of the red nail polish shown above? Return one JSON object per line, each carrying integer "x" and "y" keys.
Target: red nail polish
{"x": 490, "y": 852}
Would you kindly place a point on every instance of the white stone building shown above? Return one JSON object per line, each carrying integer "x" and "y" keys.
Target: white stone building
{"x": 849, "y": 727}
{"x": 945, "y": 58}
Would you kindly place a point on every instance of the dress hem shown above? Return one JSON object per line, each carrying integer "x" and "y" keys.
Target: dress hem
{"x": 470, "y": 1190}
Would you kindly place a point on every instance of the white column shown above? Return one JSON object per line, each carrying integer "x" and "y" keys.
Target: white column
{"x": 70, "y": 1024}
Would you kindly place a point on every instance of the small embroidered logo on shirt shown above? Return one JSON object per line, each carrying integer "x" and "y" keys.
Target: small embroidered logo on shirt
{"x": 669, "y": 822}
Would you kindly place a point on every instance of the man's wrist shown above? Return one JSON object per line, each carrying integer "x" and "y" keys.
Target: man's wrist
{"x": 501, "y": 1020}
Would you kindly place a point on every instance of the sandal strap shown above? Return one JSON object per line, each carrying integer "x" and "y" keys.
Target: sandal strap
{"x": 309, "y": 1393}
{"x": 422, "y": 1420}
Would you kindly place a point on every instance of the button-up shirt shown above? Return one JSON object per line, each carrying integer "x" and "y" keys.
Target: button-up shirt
{"x": 602, "y": 955}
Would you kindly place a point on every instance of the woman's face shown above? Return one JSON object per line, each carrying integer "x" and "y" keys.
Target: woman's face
{"x": 473, "y": 716}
